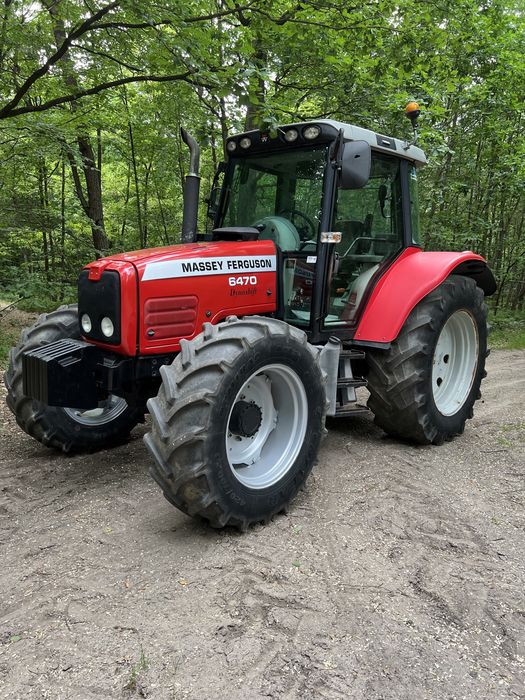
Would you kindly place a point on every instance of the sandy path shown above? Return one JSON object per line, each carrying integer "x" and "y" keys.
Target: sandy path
{"x": 399, "y": 572}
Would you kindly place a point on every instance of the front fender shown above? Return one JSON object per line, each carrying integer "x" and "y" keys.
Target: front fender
{"x": 410, "y": 278}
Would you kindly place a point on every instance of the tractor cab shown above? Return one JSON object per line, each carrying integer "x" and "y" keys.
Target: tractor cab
{"x": 340, "y": 204}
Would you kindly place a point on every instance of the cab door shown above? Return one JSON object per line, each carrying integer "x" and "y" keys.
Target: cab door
{"x": 374, "y": 230}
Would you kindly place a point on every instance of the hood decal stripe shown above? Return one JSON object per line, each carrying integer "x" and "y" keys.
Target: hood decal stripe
{"x": 197, "y": 267}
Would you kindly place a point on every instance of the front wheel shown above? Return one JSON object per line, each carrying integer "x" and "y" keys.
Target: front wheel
{"x": 68, "y": 429}
{"x": 238, "y": 420}
{"x": 424, "y": 387}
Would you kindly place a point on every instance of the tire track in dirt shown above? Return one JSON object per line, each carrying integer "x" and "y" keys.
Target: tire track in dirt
{"x": 419, "y": 523}
{"x": 398, "y": 573}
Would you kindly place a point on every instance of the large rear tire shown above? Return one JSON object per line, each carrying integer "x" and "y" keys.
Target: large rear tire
{"x": 425, "y": 386}
{"x": 237, "y": 422}
{"x": 67, "y": 429}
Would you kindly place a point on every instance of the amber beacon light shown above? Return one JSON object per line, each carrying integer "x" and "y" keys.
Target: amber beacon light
{"x": 412, "y": 111}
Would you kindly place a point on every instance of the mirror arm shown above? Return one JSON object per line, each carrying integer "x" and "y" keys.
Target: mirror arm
{"x": 211, "y": 201}
{"x": 336, "y": 156}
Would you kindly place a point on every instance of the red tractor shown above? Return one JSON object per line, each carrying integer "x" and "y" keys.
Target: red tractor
{"x": 240, "y": 342}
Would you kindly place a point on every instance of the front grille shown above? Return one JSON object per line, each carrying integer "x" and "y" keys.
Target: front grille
{"x": 97, "y": 299}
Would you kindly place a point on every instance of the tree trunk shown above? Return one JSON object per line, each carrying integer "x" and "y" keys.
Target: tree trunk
{"x": 257, "y": 90}
{"x": 136, "y": 182}
{"x": 93, "y": 180}
{"x": 91, "y": 199}
{"x": 126, "y": 202}
{"x": 146, "y": 203}
{"x": 3, "y": 31}
{"x": 62, "y": 226}
{"x": 44, "y": 218}
{"x": 161, "y": 210}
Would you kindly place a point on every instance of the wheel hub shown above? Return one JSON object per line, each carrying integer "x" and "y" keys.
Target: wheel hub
{"x": 108, "y": 410}
{"x": 246, "y": 419}
{"x": 454, "y": 363}
{"x": 267, "y": 426}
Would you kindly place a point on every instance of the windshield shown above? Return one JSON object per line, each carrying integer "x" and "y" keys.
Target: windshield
{"x": 281, "y": 192}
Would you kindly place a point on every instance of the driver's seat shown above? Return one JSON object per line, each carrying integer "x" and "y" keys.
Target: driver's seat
{"x": 279, "y": 230}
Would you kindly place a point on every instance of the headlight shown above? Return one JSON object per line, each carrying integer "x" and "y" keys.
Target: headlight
{"x": 311, "y": 132}
{"x": 85, "y": 322}
{"x": 291, "y": 135}
{"x": 231, "y": 146}
{"x": 245, "y": 142}
{"x": 106, "y": 326}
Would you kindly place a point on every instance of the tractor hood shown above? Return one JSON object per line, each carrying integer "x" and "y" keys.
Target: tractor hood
{"x": 166, "y": 262}
{"x": 168, "y": 293}
{"x": 182, "y": 250}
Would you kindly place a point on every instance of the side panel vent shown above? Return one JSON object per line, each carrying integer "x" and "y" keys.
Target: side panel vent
{"x": 170, "y": 317}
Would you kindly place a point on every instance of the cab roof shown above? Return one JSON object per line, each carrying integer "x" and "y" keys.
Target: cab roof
{"x": 330, "y": 128}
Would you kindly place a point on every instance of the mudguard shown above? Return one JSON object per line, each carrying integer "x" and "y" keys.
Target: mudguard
{"x": 410, "y": 278}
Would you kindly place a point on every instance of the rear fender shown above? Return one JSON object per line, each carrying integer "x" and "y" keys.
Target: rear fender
{"x": 412, "y": 276}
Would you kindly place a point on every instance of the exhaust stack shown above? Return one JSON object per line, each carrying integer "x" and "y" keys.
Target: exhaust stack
{"x": 191, "y": 191}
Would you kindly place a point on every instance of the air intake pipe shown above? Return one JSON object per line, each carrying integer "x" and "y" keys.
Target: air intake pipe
{"x": 191, "y": 190}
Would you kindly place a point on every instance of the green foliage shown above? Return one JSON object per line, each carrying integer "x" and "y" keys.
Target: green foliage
{"x": 214, "y": 67}
{"x": 12, "y": 323}
{"x": 8, "y": 338}
{"x": 508, "y": 330}
{"x": 137, "y": 670}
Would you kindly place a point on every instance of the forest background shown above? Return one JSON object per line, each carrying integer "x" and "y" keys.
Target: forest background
{"x": 93, "y": 95}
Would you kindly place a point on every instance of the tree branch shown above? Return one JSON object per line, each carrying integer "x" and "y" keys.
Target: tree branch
{"x": 103, "y": 54}
{"x": 9, "y": 108}
{"x": 130, "y": 25}
{"x": 169, "y": 22}
{"x": 76, "y": 180}
{"x": 29, "y": 109}
{"x": 92, "y": 23}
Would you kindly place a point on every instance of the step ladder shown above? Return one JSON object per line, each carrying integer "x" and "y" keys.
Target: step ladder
{"x": 347, "y": 384}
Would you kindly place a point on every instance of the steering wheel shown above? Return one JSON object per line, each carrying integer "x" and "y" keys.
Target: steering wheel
{"x": 305, "y": 235}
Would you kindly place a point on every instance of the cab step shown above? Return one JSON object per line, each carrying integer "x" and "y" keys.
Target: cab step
{"x": 345, "y": 382}
{"x": 353, "y": 409}
{"x": 351, "y": 354}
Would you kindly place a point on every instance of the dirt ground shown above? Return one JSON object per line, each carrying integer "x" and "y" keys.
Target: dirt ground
{"x": 398, "y": 573}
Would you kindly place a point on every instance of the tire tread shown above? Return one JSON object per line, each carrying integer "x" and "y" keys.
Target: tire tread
{"x": 181, "y": 415}
{"x": 397, "y": 379}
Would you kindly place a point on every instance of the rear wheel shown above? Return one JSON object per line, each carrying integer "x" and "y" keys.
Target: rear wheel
{"x": 68, "y": 429}
{"x": 424, "y": 387}
{"x": 238, "y": 420}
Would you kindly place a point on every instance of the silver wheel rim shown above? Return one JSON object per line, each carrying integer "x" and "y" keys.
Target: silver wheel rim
{"x": 455, "y": 362}
{"x": 261, "y": 460}
{"x": 107, "y": 411}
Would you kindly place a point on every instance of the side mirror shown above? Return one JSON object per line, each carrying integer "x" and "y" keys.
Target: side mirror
{"x": 356, "y": 161}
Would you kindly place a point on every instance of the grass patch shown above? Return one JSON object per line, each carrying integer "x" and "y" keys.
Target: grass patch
{"x": 8, "y": 338}
{"x": 34, "y": 294}
{"x": 11, "y": 324}
{"x": 508, "y": 330}
{"x": 137, "y": 670}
